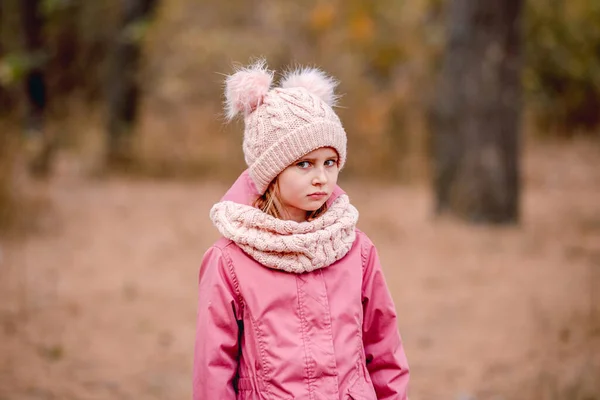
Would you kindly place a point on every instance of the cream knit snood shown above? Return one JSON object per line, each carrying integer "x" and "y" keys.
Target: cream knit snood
{"x": 288, "y": 245}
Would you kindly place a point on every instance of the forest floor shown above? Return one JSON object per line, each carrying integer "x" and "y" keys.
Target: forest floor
{"x": 99, "y": 302}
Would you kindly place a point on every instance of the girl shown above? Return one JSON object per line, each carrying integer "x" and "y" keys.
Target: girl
{"x": 292, "y": 300}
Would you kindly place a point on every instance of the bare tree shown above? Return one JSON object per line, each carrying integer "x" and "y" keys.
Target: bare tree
{"x": 476, "y": 113}
{"x": 123, "y": 86}
{"x": 5, "y": 98}
{"x": 5, "y": 170}
{"x": 35, "y": 87}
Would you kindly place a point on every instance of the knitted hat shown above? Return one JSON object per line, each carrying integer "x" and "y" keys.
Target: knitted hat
{"x": 284, "y": 123}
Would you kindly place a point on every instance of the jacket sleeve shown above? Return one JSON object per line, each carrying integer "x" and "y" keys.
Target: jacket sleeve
{"x": 386, "y": 361}
{"x": 216, "y": 345}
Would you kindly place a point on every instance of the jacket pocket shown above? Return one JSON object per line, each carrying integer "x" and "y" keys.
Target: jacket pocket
{"x": 361, "y": 390}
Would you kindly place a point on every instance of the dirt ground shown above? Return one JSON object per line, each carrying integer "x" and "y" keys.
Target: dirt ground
{"x": 100, "y": 301}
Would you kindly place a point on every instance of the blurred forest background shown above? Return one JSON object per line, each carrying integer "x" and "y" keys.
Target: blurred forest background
{"x": 112, "y": 148}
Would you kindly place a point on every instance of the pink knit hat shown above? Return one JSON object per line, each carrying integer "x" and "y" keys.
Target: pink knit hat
{"x": 284, "y": 123}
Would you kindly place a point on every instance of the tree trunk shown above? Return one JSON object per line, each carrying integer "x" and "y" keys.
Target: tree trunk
{"x": 123, "y": 87}
{"x": 5, "y": 149}
{"x": 476, "y": 114}
{"x": 35, "y": 88}
{"x": 6, "y": 100}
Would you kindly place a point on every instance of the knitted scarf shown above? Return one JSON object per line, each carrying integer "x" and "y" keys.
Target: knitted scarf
{"x": 289, "y": 245}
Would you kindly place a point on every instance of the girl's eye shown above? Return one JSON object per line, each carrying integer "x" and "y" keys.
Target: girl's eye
{"x": 330, "y": 163}
{"x": 303, "y": 164}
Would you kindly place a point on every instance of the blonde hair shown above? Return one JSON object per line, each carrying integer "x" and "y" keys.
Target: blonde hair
{"x": 270, "y": 203}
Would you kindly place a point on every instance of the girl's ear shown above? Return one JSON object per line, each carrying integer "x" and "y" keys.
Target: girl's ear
{"x": 246, "y": 88}
{"x": 315, "y": 81}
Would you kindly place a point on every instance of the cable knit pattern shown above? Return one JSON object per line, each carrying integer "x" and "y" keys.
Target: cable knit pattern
{"x": 284, "y": 123}
{"x": 289, "y": 124}
{"x": 285, "y": 245}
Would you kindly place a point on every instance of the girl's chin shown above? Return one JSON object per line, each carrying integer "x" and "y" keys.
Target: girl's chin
{"x": 313, "y": 206}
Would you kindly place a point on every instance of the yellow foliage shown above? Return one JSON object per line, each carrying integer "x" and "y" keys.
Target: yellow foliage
{"x": 362, "y": 28}
{"x": 322, "y": 17}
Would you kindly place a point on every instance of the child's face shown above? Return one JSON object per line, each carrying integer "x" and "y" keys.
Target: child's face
{"x": 308, "y": 183}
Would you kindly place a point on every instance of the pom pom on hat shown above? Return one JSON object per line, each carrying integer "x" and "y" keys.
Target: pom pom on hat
{"x": 246, "y": 88}
{"x": 315, "y": 81}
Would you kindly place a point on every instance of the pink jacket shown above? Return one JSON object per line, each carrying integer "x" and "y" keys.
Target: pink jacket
{"x": 323, "y": 335}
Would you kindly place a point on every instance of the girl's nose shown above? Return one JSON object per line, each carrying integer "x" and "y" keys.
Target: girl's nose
{"x": 320, "y": 177}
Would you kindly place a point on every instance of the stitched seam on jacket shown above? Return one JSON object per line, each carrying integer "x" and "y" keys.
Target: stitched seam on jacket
{"x": 304, "y": 340}
{"x": 266, "y": 367}
{"x": 359, "y": 332}
{"x": 363, "y": 252}
{"x": 359, "y": 350}
{"x": 330, "y": 328}
{"x": 258, "y": 333}
{"x": 234, "y": 279}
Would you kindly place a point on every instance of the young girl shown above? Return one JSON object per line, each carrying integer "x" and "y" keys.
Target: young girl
{"x": 293, "y": 303}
